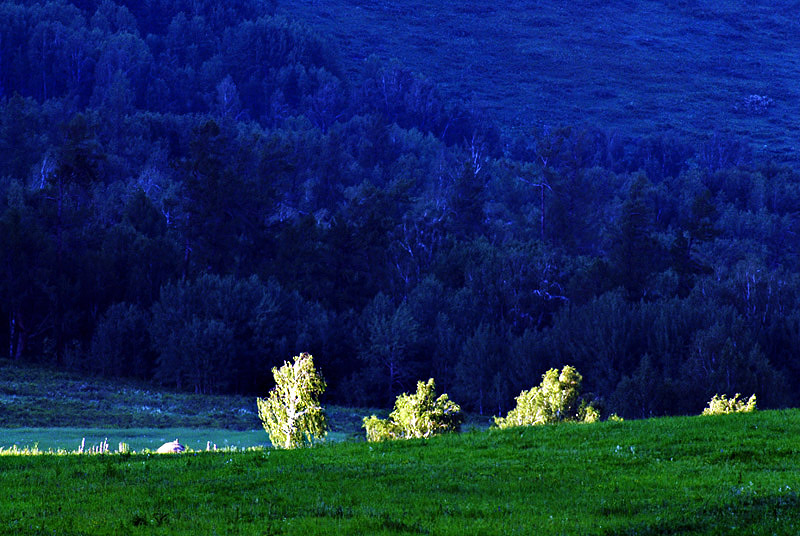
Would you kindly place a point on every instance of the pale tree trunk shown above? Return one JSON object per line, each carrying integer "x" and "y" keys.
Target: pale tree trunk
{"x": 44, "y": 76}
{"x": 391, "y": 375}
{"x": 2, "y": 90}
{"x": 291, "y": 417}
{"x": 12, "y": 323}
{"x": 16, "y": 336}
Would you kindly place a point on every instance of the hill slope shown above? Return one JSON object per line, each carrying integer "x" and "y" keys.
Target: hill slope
{"x": 636, "y": 67}
{"x": 729, "y": 475}
{"x": 40, "y": 397}
{"x": 36, "y": 397}
{"x": 220, "y": 208}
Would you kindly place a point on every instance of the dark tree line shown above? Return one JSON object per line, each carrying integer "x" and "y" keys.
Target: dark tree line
{"x": 192, "y": 192}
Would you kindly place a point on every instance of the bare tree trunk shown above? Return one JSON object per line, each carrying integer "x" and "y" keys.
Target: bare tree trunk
{"x": 391, "y": 376}
{"x": 12, "y": 323}
{"x": 187, "y": 255}
{"x": 2, "y": 89}
{"x": 44, "y": 74}
{"x": 16, "y": 337}
{"x": 542, "y": 211}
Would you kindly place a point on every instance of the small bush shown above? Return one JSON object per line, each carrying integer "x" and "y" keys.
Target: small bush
{"x": 721, "y": 405}
{"x": 553, "y": 400}
{"x": 416, "y": 415}
{"x": 381, "y": 429}
{"x": 588, "y": 413}
{"x": 291, "y": 414}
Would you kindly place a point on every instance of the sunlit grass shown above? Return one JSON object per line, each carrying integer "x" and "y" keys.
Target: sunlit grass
{"x": 732, "y": 474}
{"x": 728, "y": 474}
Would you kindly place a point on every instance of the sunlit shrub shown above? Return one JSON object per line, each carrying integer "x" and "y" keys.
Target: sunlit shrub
{"x": 553, "y": 400}
{"x": 588, "y": 413}
{"x": 381, "y": 429}
{"x": 416, "y": 415}
{"x": 720, "y": 405}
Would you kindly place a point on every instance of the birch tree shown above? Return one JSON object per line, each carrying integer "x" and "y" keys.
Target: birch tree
{"x": 292, "y": 414}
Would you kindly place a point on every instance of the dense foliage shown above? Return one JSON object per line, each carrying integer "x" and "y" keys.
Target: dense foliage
{"x": 291, "y": 413}
{"x": 722, "y": 405}
{"x": 554, "y": 400}
{"x": 192, "y": 191}
{"x": 416, "y": 415}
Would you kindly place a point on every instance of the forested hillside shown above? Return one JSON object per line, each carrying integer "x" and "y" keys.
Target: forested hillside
{"x": 193, "y": 191}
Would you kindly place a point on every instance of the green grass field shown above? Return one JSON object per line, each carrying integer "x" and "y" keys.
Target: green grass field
{"x": 32, "y": 396}
{"x": 736, "y": 474}
{"x": 56, "y": 410}
{"x": 632, "y": 67}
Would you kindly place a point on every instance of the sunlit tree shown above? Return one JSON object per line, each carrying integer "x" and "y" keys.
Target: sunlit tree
{"x": 292, "y": 414}
{"x": 554, "y": 400}
{"x": 418, "y": 415}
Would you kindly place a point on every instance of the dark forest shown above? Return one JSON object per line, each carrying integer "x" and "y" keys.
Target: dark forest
{"x": 193, "y": 191}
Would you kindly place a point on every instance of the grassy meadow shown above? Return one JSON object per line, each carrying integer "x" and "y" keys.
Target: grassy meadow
{"x": 33, "y": 396}
{"x": 47, "y": 409}
{"x": 734, "y": 474}
{"x": 637, "y": 68}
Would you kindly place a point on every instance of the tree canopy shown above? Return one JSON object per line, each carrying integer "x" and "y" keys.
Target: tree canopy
{"x": 207, "y": 187}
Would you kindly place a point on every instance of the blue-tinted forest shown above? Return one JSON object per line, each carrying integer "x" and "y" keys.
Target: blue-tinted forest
{"x": 193, "y": 191}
